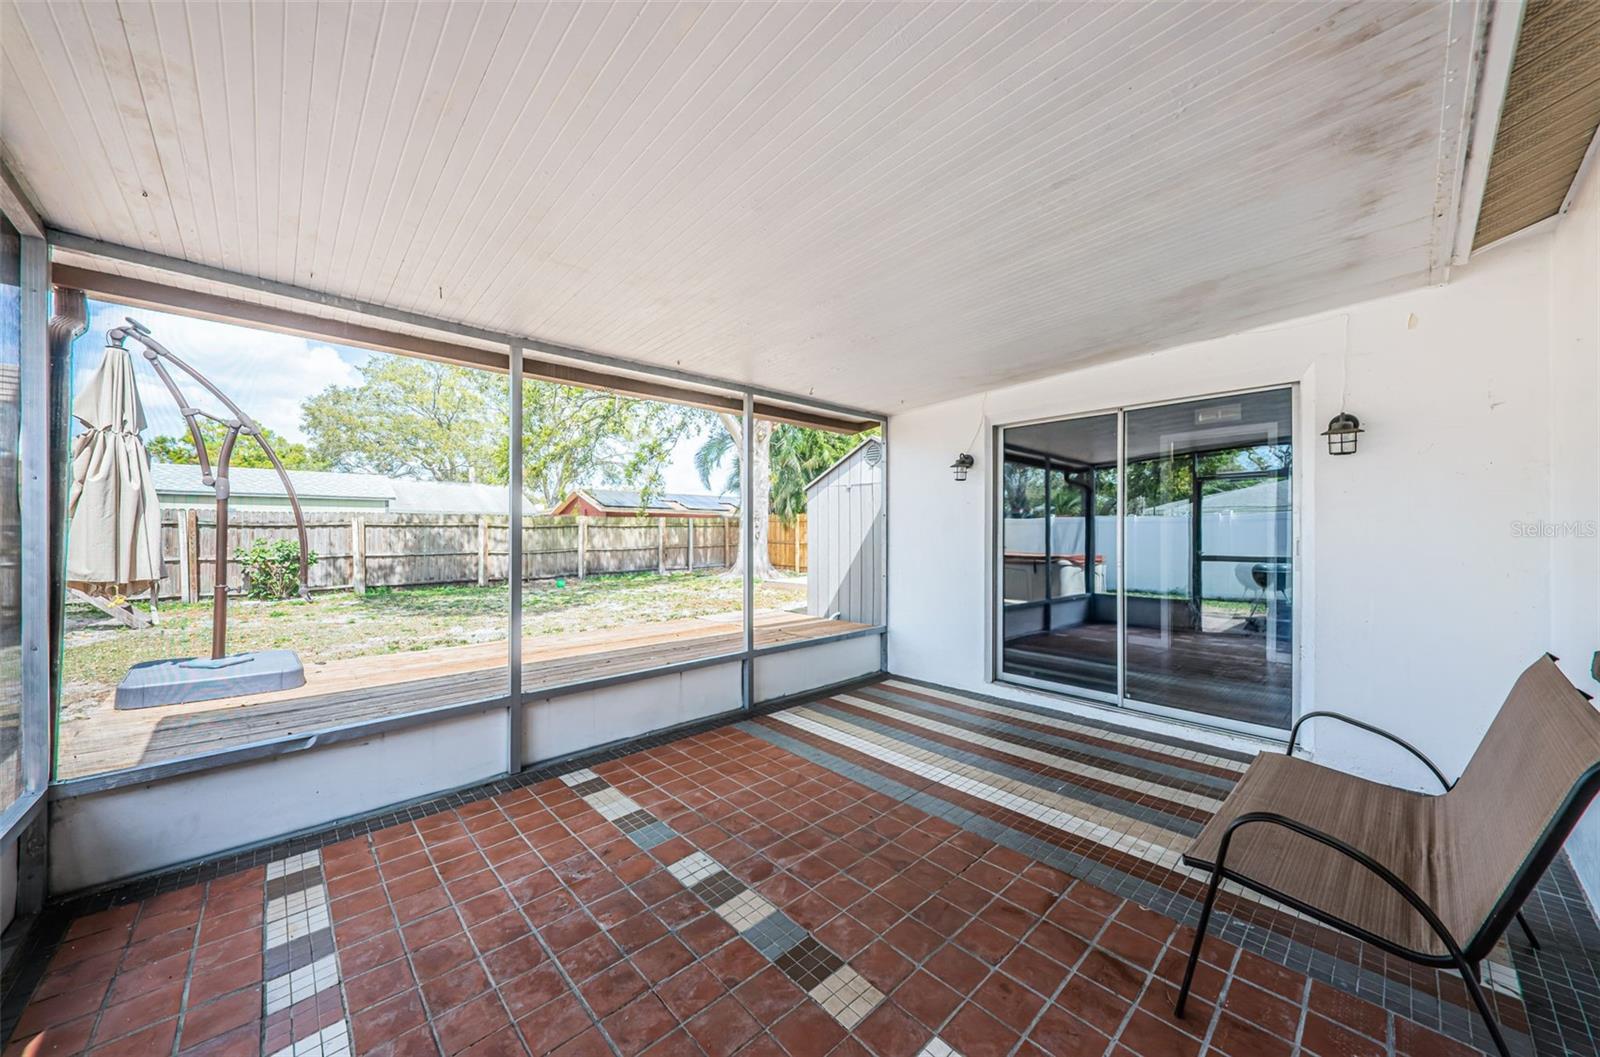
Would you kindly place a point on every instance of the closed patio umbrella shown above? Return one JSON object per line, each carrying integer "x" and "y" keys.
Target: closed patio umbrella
{"x": 114, "y": 546}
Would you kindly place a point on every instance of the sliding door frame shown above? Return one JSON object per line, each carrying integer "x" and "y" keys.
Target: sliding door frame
{"x": 1120, "y": 700}
{"x": 998, "y": 563}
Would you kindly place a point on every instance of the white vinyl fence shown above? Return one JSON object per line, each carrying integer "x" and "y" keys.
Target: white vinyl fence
{"x": 1159, "y": 547}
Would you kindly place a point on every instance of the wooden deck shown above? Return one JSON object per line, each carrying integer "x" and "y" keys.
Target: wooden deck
{"x": 349, "y": 691}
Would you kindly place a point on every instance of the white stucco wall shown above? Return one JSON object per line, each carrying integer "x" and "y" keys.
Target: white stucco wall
{"x": 108, "y": 836}
{"x": 1575, "y": 468}
{"x": 1419, "y": 601}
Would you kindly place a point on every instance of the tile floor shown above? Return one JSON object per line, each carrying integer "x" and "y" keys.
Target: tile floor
{"x": 743, "y": 890}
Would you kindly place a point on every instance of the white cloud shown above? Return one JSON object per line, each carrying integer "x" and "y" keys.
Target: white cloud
{"x": 268, "y": 375}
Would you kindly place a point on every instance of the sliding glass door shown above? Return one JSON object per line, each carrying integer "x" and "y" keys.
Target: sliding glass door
{"x": 1147, "y": 557}
{"x": 1058, "y": 501}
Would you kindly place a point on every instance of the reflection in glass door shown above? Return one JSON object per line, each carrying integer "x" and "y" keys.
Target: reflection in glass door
{"x": 1197, "y": 616}
{"x": 1058, "y": 485}
{"x": 1209, "y": 559}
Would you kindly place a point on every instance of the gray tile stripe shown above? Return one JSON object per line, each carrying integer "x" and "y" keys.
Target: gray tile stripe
{"x": 1349, "y": 977}
{"x": 635, "y": 821}
{"x": 719, "y": 888}
{"x": 827, "y": 978}
{"x": 1127, "y": 807}
{"x": 1156, "y": 770}
{"x": 291, "y": 972}
{"x": 808, "y": 963}
{"x": 298, "y": 953}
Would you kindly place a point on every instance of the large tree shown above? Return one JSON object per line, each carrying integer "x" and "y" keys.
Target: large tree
{"x": 412, "y": 418}
{"x": 247, "y": 452}
{"x": 415, "y": 418}
{"x": 573, "y": 436}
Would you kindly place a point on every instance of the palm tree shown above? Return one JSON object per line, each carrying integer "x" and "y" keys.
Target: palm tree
{"x": 706, "y": 459}
{"x": 787, "y": 458}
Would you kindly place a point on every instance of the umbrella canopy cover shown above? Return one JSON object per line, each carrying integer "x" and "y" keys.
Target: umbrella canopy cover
{"x": 114, "y": 540}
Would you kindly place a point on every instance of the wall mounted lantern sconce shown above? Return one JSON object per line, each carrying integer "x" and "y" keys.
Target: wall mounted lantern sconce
{"x": 962, "y": 464}
{"x": 1342, "y": 433}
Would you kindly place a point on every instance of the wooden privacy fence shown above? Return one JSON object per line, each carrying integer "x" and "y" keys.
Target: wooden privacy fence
{"x": 357, "y": 550}
{"x": 786, "y": 544}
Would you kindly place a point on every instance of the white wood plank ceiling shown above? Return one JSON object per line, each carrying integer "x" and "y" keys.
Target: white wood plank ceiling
{"x": 879, "y": 204}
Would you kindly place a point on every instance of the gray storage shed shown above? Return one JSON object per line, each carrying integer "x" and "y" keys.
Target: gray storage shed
{"x": 845, "y": 536}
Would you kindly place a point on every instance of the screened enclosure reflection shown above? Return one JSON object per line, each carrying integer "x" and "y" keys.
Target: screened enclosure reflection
{"x": 1196, "y": 613}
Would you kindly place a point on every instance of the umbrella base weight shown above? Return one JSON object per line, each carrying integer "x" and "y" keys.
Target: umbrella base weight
{"x": 183, "y": 680}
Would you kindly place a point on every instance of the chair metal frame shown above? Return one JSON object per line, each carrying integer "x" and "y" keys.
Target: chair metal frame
{"x": 1466, "y": 957}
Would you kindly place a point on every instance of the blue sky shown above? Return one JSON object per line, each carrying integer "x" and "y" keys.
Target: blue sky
{"x": 267, "y": 374}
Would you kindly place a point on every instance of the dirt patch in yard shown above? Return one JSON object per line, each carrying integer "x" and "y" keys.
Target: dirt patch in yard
{"x": 337, "y": 626}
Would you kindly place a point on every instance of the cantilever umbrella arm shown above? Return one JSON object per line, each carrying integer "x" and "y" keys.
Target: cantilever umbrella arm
{"x": 159, "y": 357}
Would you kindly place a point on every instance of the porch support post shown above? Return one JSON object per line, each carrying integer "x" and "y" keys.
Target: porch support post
{"x": 34, "y": 382}
{"x": 514, "y": 747}
{"x": 747, "y": 525}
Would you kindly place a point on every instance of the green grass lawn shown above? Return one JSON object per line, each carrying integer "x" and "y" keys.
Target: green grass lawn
{"x": 394, "y": 620}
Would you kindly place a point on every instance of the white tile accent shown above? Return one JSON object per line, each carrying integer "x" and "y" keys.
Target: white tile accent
{"x": 1502, "y": 978}
{"x": 1040, "y": 755}
{"x": 694, "y": 868}
{"x": 611, "y": 804}
{"x": 1061, "y": 723}
{"x": 921, "y": 763}
{"x": 847, "y": 996}
{"x": 937, "y": 1047}
{"x": 293, "y": 864}
{"x": 745, "y": 909}
{"x": 296, "y": 925}
{"x": 284, "y": 991}
{"x": 301, "y": 902}
{"x": 331, "y": 1041}
{"x": 579, "y": 777}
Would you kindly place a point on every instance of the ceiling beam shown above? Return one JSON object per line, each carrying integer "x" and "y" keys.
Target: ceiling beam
{"x": 1494, "y": 74}
{"x": 17, "y": 206}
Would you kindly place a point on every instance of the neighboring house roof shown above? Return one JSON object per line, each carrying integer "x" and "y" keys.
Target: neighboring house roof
{"x": 630, "y": 500}
{"x": 399, "y": 495}
{"x": 871, "y": 449}
{"x": 251, "y": 481}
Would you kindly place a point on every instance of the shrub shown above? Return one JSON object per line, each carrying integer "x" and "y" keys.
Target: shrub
{"x": 272, "y": 568}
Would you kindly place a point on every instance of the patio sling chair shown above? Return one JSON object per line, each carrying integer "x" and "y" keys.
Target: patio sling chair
{"x": 1433, "y": 878}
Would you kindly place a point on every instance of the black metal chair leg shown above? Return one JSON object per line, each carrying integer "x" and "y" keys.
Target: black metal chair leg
{"x": 1533, "y": 941}
{"x": 1469, "y": 975}
{"x": 1199, "y": 938}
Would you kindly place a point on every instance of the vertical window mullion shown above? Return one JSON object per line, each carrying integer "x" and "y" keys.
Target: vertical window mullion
{"x": 748, "y": 528}
{"x": 1122, "y": 552}
{"x": 514, "y": 710}
{"x": 34, "y": 383}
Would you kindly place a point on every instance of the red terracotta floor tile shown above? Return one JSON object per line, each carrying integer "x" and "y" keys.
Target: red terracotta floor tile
{"x": 994, "y": 953}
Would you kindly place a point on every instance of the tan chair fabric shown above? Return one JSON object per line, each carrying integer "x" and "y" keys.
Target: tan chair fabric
{"x": 1459, "y": 851}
